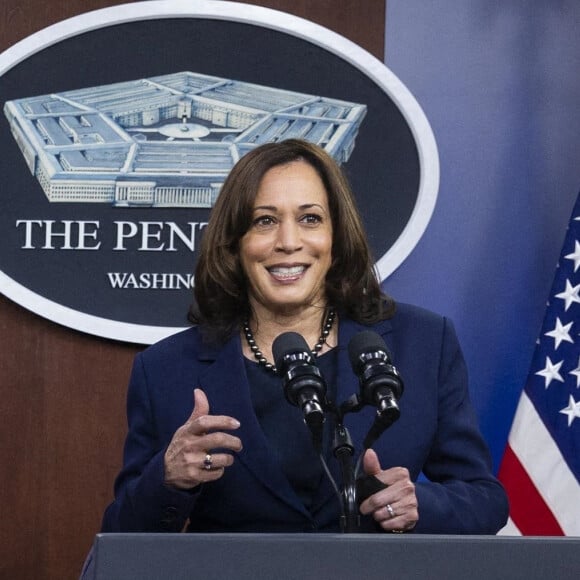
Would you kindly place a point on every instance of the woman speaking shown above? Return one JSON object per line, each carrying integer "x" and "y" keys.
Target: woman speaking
{"x": 213, "y": 444}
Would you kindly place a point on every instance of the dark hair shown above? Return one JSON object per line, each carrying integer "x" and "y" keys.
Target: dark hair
{"x": 221, "y": 293}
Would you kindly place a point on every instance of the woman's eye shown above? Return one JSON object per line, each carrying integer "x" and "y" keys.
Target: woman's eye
{"x": 264, "y": 221}
{"x": 312, "y": 218}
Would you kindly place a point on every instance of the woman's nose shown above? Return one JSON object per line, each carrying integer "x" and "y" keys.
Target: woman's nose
{"x": 289, "y": 237}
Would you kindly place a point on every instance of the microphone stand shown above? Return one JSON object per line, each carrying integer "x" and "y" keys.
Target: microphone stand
{"x": 354, "y": 490}
{"x": 343, "y": 450}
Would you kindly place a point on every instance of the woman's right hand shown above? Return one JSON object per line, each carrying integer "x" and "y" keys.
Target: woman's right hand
{"x": 189, "y": 460}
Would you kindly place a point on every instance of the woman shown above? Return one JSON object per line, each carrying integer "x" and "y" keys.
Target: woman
{"x": 212, "y": 443}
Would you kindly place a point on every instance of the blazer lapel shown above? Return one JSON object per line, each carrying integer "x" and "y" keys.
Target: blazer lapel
{"x": 226, "y": 384}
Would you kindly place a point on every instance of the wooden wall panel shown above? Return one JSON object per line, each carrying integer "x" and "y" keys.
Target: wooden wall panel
{"x": 362, "y": 21}
{"x": 62, "y": 393}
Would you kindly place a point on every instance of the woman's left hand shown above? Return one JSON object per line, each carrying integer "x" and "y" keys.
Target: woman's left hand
{"x": 394, "y": 508}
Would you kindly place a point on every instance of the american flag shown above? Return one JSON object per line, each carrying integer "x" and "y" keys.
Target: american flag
{"x": 541, "y": 465}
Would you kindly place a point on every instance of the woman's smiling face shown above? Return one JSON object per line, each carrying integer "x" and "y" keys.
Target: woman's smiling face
{"x": 287, "y": 251}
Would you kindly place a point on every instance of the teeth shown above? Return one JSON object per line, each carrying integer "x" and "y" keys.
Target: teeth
{"x": 287, "y": 272}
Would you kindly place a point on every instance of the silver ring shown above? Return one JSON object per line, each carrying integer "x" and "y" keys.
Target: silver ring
{"x": 391, "y": 511}
{"x": 207, "y": 462}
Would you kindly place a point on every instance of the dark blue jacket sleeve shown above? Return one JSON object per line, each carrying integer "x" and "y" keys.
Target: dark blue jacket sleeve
{"x": 461, "y": 496}
{"x": 143, "y": 503}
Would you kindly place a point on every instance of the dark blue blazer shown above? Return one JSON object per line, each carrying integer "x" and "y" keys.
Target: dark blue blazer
{"x": 436, "y": 438}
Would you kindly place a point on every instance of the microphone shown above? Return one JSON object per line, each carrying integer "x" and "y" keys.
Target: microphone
{"x": 304, "y": 386}
{"x": 380, "y": 384}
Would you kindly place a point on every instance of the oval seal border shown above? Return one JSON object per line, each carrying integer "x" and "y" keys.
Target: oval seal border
{"x": 267, "y": 18}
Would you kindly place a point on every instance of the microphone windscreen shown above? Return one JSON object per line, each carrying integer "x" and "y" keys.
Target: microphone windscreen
{"x": 288, "y": 343}
{"x": 365, "y": 341}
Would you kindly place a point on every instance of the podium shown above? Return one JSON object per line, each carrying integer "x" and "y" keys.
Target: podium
{"x": 331, "y": 556}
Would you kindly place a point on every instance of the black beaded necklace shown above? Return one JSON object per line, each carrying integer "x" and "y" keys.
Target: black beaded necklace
{"x": 262, "y": 360}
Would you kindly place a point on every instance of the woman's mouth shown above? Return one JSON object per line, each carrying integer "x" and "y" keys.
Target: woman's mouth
{"x": 285, "y": 274}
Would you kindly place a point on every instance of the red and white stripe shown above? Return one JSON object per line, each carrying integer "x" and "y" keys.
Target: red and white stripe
{"x": 544, "y": 495}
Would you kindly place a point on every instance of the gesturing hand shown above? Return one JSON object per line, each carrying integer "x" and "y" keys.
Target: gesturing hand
{"x": 395, "y": 507}
{"x": 188, "y": 459}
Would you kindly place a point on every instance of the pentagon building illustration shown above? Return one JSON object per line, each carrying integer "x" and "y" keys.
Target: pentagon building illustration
{"x": 166, "y": 141}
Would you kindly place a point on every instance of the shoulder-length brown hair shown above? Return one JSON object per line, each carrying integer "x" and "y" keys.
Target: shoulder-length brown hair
{"x": 221, "y": 290}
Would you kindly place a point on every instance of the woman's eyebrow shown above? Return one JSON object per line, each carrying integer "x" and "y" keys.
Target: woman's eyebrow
{"x": 268, "y": 207}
